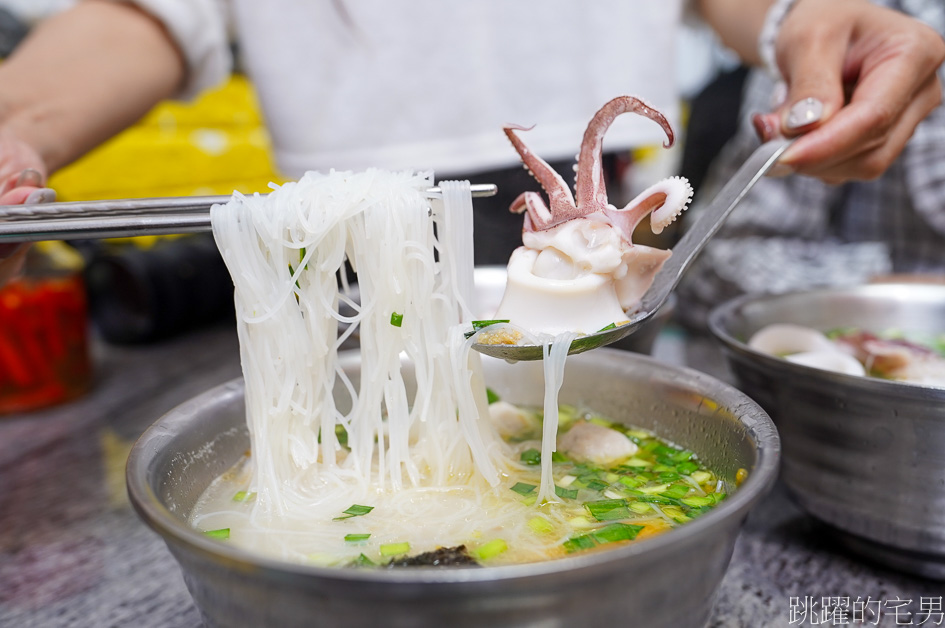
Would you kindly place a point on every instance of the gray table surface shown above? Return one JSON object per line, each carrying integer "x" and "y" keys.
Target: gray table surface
{"x": 74, "y": 554}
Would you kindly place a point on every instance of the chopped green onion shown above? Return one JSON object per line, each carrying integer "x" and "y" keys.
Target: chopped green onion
{"x": 490, "y": 550}
{"x": 477, "y": 325}
{"x": 558, "y": 457}
{"x": 356, "y": 510}
{"x": 677, "y": 490}
{"x": 616, "y": 532}
{"x": 531, "y": 456}
{"x": 608, "y": 509}
{"x": 597, "y": 485}
{"x": 611, "y": 326}
{"x": 682, "y": 456}
{"x": 540, "y": 525}
{"x": 394, "y": 549}
{"x": 523, "y": 489}
{"x": 396, "y": 319}
{"x": 676, "y": 514}
{"x": 701, "y": 476}
{"x": 292, "y": 272}
{"x": 567, "y": 493}
{"x": 687, "y": 467}
{"x": 641, "y": 508}
{"x": 631, "y": 481}
{"x": 354, "y": 538}
{"x": 222, "y": 533}
{"x": 492, "y": 396}
{"x": 698, "y": 501}
{"x": 652, "y": 490}
{"x": 577, "y": 543}
{"x": 243, "y": 496}
{"x": 362, "y": 561}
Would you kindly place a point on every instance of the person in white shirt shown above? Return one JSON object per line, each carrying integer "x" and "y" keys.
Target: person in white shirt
{"x": 426, "y": 84}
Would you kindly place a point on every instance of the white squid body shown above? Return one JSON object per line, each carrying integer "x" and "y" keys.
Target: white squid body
{"x": 578, "y": 269}
{"x": 806, "y": 346}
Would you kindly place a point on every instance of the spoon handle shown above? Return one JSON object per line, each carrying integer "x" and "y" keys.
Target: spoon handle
{"x": 695, "y": 239}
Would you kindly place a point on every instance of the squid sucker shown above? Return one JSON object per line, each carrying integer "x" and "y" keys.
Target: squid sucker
{"x": 578, "y": 268}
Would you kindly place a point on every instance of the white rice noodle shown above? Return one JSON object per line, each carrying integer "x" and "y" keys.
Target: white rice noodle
{"x": 285, "y": 252}
{"x": 554, "y": 354}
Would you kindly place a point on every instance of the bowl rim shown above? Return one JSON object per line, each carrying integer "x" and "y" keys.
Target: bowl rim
{"x": 726, "y": 311}
{"x": 756, "y": 423}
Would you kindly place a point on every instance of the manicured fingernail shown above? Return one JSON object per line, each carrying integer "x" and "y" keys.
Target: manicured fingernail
{"x": 780, "y": 170}
{"x": 763, "y": 126}
{"x": 29, "y": 177}
{"x": 804, "y": 113}
{"x": 42, "y": 195}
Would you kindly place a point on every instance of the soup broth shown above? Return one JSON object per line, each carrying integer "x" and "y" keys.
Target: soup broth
{"x": 596, "y": 505}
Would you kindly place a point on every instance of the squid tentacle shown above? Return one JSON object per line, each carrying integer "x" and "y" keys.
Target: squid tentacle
{"x": 537, "y": 215}
{"x": 590, "y": 186}
{"x": 558, "y": 192}
{"x": 664, "y": 201}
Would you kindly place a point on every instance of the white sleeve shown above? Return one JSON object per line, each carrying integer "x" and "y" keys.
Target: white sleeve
{"x": 200, "y": 30}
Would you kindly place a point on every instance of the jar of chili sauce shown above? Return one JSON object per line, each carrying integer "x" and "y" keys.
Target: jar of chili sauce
{"x": 44, "y": 348}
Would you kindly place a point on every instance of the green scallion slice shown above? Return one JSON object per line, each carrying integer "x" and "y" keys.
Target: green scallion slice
{"x": 490, "y": 550}
{"x": 491, "y": 396}
{"x": 698, "y": 501}
{"x": 523, "y": 489}
{"x": 222, "y": 533}
{"x": 540, "y": 525}
{"x": 394, "y": 549}
{"x": 396, "y": 319}
{"x": 354, "y": 538}
{"x": 362, "y": 561}
{"x": 531, "y": 456}
{"x": 578, "y": 543}
{"x": 616, "y": 532}
{"x": 243, "y": 496}
{"x": 608, "y": 509}
{"x": 477, "y": 325}
{"x": 597, "y": 485}
{"x": 687, "y": 467}
{"x": 676, "y": 491}
{"x": 356, "y": 510}
{"x": 632, "y": 481}
{"x": 567, "y": 493}
{"x": 682, "y": 456}
{"x": 611, "y": 326}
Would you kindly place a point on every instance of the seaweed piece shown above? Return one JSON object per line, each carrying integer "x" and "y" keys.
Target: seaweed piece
{"x": 442, "y": 557}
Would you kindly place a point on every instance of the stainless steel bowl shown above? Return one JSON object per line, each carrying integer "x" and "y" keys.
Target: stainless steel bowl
{"x": 668, "y": 580}
{"x": 490, "y": 286}
{"x": 864, "y": 455}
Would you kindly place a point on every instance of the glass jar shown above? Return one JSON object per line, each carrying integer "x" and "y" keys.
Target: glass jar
{"x": 44, "y": 347}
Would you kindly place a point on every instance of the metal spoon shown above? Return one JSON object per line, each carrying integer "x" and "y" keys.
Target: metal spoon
{"x": 684, "y": 252}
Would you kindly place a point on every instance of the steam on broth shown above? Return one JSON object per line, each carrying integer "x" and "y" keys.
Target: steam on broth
{"x": 408, "y": 460}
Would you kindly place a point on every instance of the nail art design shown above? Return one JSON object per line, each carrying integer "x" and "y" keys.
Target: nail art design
{"x": 763, "y": 127}
{"x": 42, "y": 195}
{"x": 804, "y": 113}
{"x": 29, "y": 177}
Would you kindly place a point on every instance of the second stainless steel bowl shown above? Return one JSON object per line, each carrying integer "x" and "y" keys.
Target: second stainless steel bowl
{"x": 864, "y": 455}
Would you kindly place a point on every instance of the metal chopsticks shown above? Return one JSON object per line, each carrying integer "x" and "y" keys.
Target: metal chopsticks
{"x": 125, "y": 217}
